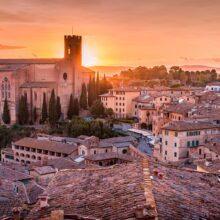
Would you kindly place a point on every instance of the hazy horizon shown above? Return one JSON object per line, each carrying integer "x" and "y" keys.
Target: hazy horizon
{"x": 115, "y": 33}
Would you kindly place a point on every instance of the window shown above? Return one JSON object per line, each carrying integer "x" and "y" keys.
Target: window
{"x": 197, "y": 143}
{"x": 176, "y": 134}
{"x": 200, "y": 151}
{"x": 166, "y": 132}
{"x": 166, "y": 142}
{"x": 175, "y": 144}
{"x": 6, "y": 89}
{"x": 188, "y": 143}
{"x": 94, "y": 152}
{"x": 124, "y": 151}
{"x": 175, "y": 154}
{"x": 165, "y": 152}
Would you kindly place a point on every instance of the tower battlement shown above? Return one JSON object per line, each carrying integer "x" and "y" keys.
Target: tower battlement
{"x": 73, "y": 48}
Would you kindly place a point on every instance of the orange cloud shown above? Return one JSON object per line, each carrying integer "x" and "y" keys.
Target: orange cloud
{"x": 7, "y": 47}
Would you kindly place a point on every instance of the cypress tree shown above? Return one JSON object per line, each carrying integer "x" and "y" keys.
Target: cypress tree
{"x": 35, "y": 114}
{"x": 76, "y": 107}
{"x": 6, "y": 117}
{"x": 58, "y": 108}
{"x": 94, "y": 94}
{"x": 70, "y": 108}
{"x": 83, "y": 97}
{"x": 20, "y": 109}
{"x": 44, "y": 109}
{"x": 25, "y": 112}
{"x": 97, "y": 85}
{"x": 90, "y": 95}
{"x": 52, "y": 110}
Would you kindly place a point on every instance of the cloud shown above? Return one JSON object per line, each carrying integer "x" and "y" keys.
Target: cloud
{"x": 217, "y": 60}
{"x": 6, "y": 16}
{"x": 9, "y": 47}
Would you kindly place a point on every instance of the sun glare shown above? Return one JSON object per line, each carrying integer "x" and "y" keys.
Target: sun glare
{"x": 88, "y": 57}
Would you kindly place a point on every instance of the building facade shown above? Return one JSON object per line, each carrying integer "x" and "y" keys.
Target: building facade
{"x": 120, "y": 101}
{"x": 180, "y": 137}
{"x": 34, "y": 77}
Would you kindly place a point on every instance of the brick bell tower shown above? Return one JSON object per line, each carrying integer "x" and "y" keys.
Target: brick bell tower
{"x": 73, "y": 48}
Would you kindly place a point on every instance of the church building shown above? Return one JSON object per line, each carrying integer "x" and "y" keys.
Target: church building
{"x": 34, "y": 77}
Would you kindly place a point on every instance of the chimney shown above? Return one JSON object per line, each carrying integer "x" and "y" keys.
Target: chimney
{"x": 160, "y": 176}
{"x": 16, "y": 213}
{"x": 155, "y": 172}
{"x": 144, "y": 212}
{"x": 57, "y": 215}
{"x": 43, "y": 199}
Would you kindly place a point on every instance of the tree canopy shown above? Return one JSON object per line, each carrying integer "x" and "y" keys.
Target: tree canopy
{"x": 78, "y": 126}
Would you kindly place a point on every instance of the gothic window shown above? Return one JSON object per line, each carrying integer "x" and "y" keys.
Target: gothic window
{"x": 6, "y": 89}
{"x": 35, "y": 96}
{"x": 65, "y": 76}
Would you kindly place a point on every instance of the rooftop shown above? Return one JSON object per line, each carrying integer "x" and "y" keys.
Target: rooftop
{"x": 189, "y": 125}
{"x": 44, "y": 170}
{"x": 47, "y": 145}
{"x": 210, "y": 166}
{"x": 183, "y": 194}
{"x": 213, "y": 146}
{"x": 102, "y": 193}
{"x": 108, "y": 156}
{"x": 12, "y": 175}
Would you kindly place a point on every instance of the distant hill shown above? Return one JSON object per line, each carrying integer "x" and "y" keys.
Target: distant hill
{"x": 199, "y": 68}
{"x": 109, "y": 70}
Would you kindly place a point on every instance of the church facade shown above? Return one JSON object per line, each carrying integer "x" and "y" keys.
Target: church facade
{"x": 34, "y": 77}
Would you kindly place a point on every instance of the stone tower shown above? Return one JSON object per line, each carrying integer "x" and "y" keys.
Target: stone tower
{"x": 73, "y": 48}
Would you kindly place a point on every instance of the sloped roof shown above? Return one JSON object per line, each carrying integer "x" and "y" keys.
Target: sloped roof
{"x": 183, "y": 194}
{"x": 47, "y": 145}
{"x": 189, "y": 125}
{"x": 12, "y": 175}
{"x": 111, "y": 155}
{"x": 102, "y": 193}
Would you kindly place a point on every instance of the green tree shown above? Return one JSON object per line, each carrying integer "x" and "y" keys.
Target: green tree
{"x": 109, "y": 112}
{"x": 58, "y": 108}
{"x": 97, "y": 85}
{"x": 44, "y": 110}
{"x": 26, "y": 112}
{"x": 23, "y": 113}
{"x": 90, "y": 92}
{"x": 70, "y": 108}
{"x": 83, "y": 97}
{"x": 6, "y": 117}
{"x": 35, "y": 114}
{"x": 75, "y": 107}
{"x": 52, "y": 110}
{"x": 97, "y": 109}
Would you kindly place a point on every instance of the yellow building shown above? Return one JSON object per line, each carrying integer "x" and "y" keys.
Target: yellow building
{"x": 120, "y": 101}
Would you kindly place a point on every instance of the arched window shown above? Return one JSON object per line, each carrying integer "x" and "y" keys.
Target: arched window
{"x": 6, "y": 89}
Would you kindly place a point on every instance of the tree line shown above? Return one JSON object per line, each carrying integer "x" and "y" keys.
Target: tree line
{"x": 175, "y": 73}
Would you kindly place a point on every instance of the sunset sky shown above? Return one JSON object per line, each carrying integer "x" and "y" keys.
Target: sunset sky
{"x": 115, "y": 32}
